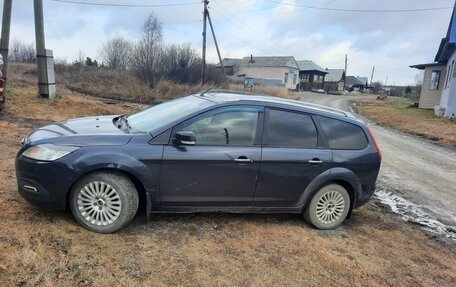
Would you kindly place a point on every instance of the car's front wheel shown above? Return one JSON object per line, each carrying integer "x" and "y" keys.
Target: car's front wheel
{"x": 104, "y": 202}
{"x": 329, "y": 207}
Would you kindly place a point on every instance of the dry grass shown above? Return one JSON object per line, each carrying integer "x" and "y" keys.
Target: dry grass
{"x": 397, "y": 114}
{"x": 43, "y": 248}
{"x": 121, "y": 85}
{"x": 39, "y": 247}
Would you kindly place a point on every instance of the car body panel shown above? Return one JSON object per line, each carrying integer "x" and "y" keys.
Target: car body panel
{"x": 285, "y": 173}
{"x": 179, "y": 178}
{"x": 201, "y": 176}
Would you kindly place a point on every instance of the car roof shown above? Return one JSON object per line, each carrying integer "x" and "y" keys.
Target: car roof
{"x": 229, "y": 96}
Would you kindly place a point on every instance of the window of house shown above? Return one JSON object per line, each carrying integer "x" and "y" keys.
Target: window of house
{"x": 286, "y": 78}
{"x": 289, "y": 129}
{"x": 435, "y": 79}
{"x": 343, "y": 135}
{"x": 294, "y": 79}
{"x": 453, "y": 72}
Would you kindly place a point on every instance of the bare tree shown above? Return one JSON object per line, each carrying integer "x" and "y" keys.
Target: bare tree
{"x": 116, "y": 53}
{"x": 147, "y": 54}
{"x": 21, "y": 52}
{"x": 181, "y": 63}
{"x": 80, "y": 58}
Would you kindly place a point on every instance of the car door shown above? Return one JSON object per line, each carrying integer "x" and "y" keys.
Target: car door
{"x": 221, "y": 168}
{"x": 293, "y": 155}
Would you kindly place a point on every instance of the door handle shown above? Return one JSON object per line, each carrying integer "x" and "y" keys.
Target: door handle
{"x": 243, "y": 159}
{"x": 315, "y": 161}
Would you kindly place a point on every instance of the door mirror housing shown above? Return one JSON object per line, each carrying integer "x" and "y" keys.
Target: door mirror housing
{"x": 184, "y": 138}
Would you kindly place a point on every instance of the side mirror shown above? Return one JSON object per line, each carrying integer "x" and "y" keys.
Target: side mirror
{"x": 184, "y": 138}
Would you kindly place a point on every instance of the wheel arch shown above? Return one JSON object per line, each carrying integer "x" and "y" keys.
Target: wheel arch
{"x": 341, "y": 176}
{"x": 139, "y": 185}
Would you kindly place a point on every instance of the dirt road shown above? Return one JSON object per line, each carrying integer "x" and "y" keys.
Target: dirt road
{"x": 417, "y": 177}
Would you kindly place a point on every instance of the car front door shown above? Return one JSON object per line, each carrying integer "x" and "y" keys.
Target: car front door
{"x": 221, "y": 168}
{"x": 292, "y": 157}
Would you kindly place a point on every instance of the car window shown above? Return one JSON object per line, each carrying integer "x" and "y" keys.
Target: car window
{"x": 288, "y": 129}
{"x": 343, "y": 135}
{"x": 236, "y": 126}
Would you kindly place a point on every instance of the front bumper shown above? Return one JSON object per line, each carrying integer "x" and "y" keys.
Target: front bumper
{"x": 44, "y": 184}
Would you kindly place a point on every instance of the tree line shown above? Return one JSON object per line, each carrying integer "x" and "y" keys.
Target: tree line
{"x": 148, "y": 57}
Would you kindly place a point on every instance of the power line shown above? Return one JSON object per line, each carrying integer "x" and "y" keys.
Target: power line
{"x": 361, "y": 10}
{"x": 125, "y": 5}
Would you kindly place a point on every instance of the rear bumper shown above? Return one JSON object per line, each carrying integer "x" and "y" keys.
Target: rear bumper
{"x": 44, "y": 184}
{"x": 365, "y": 194}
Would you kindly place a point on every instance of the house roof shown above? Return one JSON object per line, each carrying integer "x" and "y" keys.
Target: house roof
{"x": 363, "y": 80}
{"x": 228, "y": 62}
{"x": 448, "y": 44}
{"x": 353, "y": 81}
{"x": 334, "y": 75}
{"x": 423, "y": 66}
{"x": 307, "y": 65}
{"x": 285, "y": 61}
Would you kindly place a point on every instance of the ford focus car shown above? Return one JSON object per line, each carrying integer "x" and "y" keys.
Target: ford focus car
{"x": 215, "y": 151}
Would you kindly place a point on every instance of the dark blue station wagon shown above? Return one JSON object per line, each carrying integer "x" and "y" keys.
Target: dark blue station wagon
{"x": 215, "y": 151}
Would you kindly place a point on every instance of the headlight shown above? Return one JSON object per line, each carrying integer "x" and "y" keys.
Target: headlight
{"x": 48, "y": 152}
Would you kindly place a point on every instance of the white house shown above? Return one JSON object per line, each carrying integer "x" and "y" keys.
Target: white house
{"x": 268, "y": 71}
{"x": 439, "y": 83}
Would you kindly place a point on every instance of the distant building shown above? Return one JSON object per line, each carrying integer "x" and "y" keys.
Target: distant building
{"x": 355, "y": 84}
{"x": 311, "y": 76}
{"x": 334, "y": 80}
{"x": 268, "y": 71}
{"x": 364, "y": 81}
{"x": 439, "y": 83}
{"x": 433, "y": 83}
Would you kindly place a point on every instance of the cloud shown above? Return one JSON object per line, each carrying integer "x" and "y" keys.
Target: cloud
{"x": 390, "y": 41}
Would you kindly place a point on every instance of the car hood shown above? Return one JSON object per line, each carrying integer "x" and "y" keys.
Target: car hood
{"x": 83, "y": 131}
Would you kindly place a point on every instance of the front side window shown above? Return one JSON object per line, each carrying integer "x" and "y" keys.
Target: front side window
{"x": 435, "y": 79}
{"x": 235, "y": 126}
{"x": 289, "y": 129}
{"x": 286, "y": 78}
{"x": 342, "y": 135}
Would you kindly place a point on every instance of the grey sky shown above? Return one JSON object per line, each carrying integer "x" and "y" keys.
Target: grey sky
{"x": 390, "y": 41}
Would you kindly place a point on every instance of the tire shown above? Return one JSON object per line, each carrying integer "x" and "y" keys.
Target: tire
{"x": 333, "y": 202}
{"x": 104, "y": 202}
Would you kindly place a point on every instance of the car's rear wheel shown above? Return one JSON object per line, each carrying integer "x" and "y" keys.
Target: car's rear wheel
{"x": 329, "y": 207}
{"x": 104, "y": 202}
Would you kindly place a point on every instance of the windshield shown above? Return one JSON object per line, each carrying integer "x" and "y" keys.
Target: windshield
{"x": 160, "y": 115}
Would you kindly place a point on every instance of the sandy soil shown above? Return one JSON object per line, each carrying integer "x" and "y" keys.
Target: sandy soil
{"x": 374, "y": 248}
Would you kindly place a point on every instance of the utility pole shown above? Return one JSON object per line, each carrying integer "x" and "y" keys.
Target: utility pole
{"x": 205, "y": 13}
{"x": 46, "y": 89}
{"x": 218, "y": 51}
{"x": 372, "y": 75}
{"x": 345, "y": 76}
{"x": 4, "y": 45}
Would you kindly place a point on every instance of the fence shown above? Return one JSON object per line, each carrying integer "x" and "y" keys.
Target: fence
{"x": 414, "y": 96}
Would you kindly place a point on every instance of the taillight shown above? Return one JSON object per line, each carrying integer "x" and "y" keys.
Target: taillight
{"x": 375, "y": 142}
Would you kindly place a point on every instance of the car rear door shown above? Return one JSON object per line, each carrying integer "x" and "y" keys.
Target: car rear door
{"x": 293, "y": 155}
{"x": 222, "y": 167}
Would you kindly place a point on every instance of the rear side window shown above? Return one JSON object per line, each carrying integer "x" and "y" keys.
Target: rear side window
{"x": 343, "y": 135}
{"x": 288, "y": 129}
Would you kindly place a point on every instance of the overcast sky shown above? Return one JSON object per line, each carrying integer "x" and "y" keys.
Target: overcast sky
{"x": 390, "y": 41}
